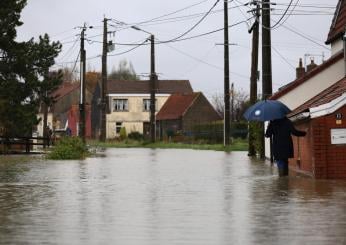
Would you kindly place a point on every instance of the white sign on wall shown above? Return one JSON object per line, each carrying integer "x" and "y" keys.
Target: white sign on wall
{"x": 338, "y": 136}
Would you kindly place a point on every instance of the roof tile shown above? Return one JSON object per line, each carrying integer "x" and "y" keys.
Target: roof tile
{"x": 143, "y": 86}
{"x": 337, "y": 28}
{"x": 176, "y": 106}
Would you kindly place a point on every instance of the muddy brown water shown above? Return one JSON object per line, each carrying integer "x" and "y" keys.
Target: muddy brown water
{"x": 146, "y": 196}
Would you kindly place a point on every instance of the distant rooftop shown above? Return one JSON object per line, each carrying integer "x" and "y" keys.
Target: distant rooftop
{"x": 143, "y": 86}
{"x": 337, "y": 28}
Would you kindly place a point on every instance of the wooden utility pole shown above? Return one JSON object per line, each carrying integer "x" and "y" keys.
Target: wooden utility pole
{"x": 153, "y": 80}
{"x": 226, "y": 78}
{"x": 232, "y": 102}
{"x": 267, "y": 89}
{"x": 82, "y": 87}
{"x": 104, "y": 82}
{"x": 254, "y": 75}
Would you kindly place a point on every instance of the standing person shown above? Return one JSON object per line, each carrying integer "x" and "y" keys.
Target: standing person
{"x": 280, "y": 130}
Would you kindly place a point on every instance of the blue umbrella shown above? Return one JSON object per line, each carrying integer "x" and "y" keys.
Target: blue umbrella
{"x": 266, "y": 110}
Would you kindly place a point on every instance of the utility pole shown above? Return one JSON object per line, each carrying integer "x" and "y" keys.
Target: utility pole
{"x": 254, "y": 74}
{"x": 232, "y": 102}
{"x": 267, "y": 89}
{"x": 226, "y": 77}
{"x": 104, "y": 82}
{"x": 153, "y": 79}
{"x": 82, "y": 87}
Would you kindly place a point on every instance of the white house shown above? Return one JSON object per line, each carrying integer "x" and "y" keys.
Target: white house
{"x": 129, "y": 103}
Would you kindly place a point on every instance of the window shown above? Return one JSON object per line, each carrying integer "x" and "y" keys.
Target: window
{"x": 146, "y": 105}
{"x": 120, "y": 105}
{"x": 118, "y": 127}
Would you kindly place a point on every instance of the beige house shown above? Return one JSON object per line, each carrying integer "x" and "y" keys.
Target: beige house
{"x": 129, "y": 103}
{"x": 314, "y": 79}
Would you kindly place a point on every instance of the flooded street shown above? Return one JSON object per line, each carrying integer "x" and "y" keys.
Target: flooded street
{"x": 144, "y": 196}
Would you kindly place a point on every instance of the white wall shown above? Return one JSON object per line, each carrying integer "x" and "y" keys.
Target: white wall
{"x": 337, "y": 46}
{"x": 132, "y": 119}
{"x": 314, "y": 85}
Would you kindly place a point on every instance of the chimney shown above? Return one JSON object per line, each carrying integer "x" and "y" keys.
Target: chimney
{"x": 311, "y": 66}
{"x": 300, "y": 70}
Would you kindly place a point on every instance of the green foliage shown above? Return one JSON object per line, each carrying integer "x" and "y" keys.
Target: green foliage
{"x": 69, "y": 148}
{"x": 24, "y": 72}
{"x": 123, "y": 134}
{"x": 239, "y": 129}
{"x": 125, "y": 71}
{"x": 135, "y": 136}
{"x": 258, "y": 136}
{"x": 210, "y": 132}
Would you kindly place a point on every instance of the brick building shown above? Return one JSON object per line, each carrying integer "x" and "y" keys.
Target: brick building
{"x": 182, "y": 112}
{"x": 315, "y": 78}
{"x": 322, "y": 153}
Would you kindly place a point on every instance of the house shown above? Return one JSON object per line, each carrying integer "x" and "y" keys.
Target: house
{"x": 316, "y": 78}
{"x": 129, "y": 103}
{"x": 65, "y": 111}
{"x": 322, "y": 152}
{"x": 182, "y": 112}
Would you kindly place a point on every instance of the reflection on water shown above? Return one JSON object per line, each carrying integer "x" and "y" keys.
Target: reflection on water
{"x": 144, "y": 196}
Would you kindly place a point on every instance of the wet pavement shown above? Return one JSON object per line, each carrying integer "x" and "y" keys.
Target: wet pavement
{"x": 145, "y": 196}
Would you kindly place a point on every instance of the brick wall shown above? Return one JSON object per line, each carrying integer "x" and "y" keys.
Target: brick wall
{"x": 336, "y": 154}
{"x": 319, "y": 157}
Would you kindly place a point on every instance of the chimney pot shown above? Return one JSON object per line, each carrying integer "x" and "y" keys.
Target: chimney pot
{"x": 300, "y": 70}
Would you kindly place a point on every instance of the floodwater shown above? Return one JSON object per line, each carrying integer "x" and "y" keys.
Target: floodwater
{"x": 145, "y": 196}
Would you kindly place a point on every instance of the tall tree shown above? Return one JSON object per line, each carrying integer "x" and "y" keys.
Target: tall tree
{"x": 125, "y": 71}
{"x": 24, "y": 72}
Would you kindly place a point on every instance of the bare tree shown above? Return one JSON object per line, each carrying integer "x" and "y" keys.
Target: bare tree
{"x": 240, "y": 101}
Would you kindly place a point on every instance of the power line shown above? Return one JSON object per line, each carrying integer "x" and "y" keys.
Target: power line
{"x": 70, "y": 50}
{"x": 205, "y": 34}
{"x": 195, "y": 25}
{"x": 282, "y": 57}
{"x": 138, "y": 45}
{"x": 75, "y": 64}
{"x": 305, "y": 37}
{"x": 284, "y": 14}
{"x": 177, "y": 11}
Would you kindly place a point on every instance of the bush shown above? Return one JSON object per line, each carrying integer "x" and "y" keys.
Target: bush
{"x": 123, "y": 134}
{"x": 135, "y": 135}
{"x": 69, "y": 148}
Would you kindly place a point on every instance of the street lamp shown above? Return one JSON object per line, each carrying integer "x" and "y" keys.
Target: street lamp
{"x": 153, "y": 79}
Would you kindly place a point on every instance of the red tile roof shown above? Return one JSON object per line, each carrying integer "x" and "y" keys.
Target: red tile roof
{"x": 326, "y": 96}
{"x": 143, "y": 86}
{"x": 332, "y": 60}
{"x": 337, "y": 28}
{"x": 176, "y": 106}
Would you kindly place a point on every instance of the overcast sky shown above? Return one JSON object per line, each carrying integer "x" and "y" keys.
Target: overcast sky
{"x": 199, "y": 60}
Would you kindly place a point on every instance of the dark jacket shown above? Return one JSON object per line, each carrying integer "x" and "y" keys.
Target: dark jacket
{"x": 280, "y": 130}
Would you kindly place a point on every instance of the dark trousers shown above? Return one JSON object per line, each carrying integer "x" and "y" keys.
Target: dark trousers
{"x": 282, "y": 167}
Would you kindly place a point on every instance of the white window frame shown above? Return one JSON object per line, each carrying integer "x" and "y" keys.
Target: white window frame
{"x": 120, "y": 105}
{"x": 146, "y": 103}
{"x": 118, "y": 126}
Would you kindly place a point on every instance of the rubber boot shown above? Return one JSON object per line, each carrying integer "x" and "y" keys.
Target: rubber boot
{"x": 281, "y": 172}
{"x": 285, "y": 171}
